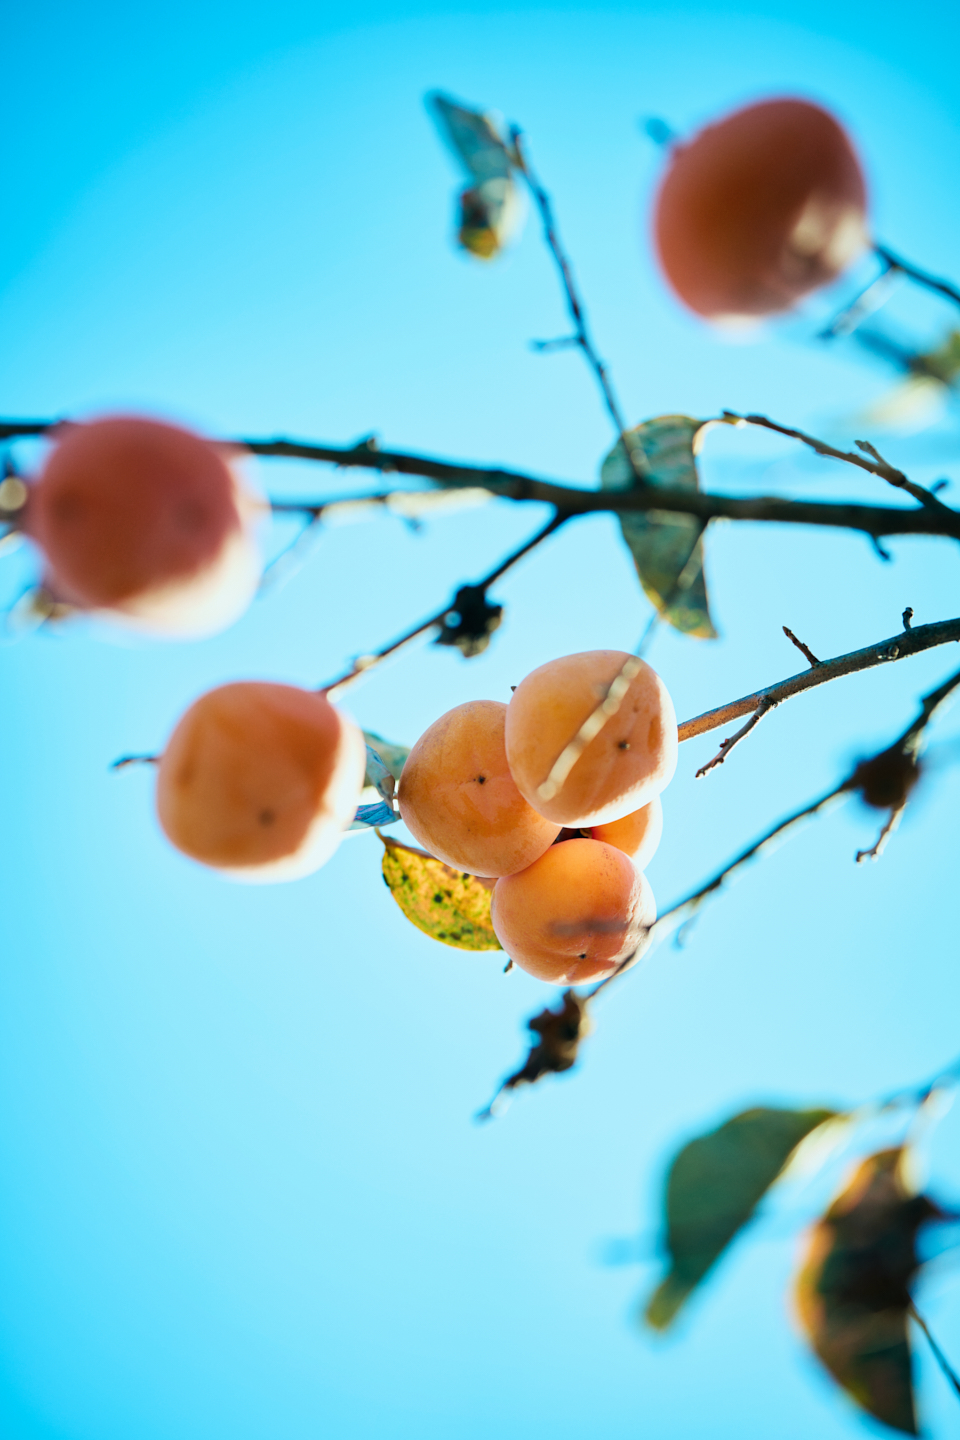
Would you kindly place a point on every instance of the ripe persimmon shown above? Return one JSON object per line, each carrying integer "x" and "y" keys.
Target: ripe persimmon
{"x": 260, "y": 780}
{"x": 760, "y": 208}
{"x": 574, "y": 914}
{"x": 458, "y": 798}
{"x": 620, "y": 769}
{"x": 637, "y": 834}
{"x": 146, "y": 522}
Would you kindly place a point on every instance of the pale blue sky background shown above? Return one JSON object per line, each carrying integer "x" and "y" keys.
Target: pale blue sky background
{"x": 242, "y": 1196}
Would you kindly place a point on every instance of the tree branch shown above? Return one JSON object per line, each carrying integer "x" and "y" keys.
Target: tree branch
{"x": 871, "y": 520}
{"x": 363, "y": 663}
{"x": 883, "y": 781}
{"x": 920, "y": 277}
{"x": 953, "y": 1379}
{"x": 898, "y": 647}
{"x": 581, "y": 336}
{"x": 875, "y": 465}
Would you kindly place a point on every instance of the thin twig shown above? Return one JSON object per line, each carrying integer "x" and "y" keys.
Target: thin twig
{"x": 871, "y": 520}
{"x": 680, "y": 913}
{"x": 126, "y": 760}
{"x": 875, "y": 465}
{"x": 363, "y": 663}
{"x": 908, "y": 744}
{"x": 950, "y": 1374}
{"x": 880, "y": 844}
{"x": 870, "y": 298}
{"x": 921, "y": 277}
{"x": 727, "y": 745}
{"x": 804, "y": 649}
{"x": 898, "y": 647}
{"x": 581, "y": 336}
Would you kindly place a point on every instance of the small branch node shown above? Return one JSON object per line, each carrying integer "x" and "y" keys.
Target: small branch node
{"x": 804, "y": 649}
{"x": 907, "y": 618}
{"x": 881, "y": 550}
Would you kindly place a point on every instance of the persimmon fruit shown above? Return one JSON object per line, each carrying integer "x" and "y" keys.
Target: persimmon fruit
{"x": 759, "y": 209}
{"x": 458, "y": 798}
{"x": 637, "y": 834}
{"x": 621, "y": 769}
{"x": 146, "y": 522}
{"x": 260, "y": 780}
{"x": 574, "y": 914}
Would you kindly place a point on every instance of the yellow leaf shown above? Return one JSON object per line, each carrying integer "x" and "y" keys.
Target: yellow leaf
{"x": 446, "y": 904}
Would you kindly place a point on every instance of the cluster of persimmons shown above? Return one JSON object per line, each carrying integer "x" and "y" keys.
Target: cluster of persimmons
{"x": 261, "y": 780}
{"x": 570, "y": 901}
{"x": 152, "y": 526}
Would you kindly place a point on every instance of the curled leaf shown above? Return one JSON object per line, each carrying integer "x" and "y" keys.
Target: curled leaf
{"x": 713, "y": 1187}
{"x": 384, "y": 763}
{"x": 490, "y": 205}
{"x": 390, "y": 756}
{"x": 667, "y": 548}
{"x": 446, "y": 904}
{"x": 470, "y": 622}
{"x": 559, "y": 1035}
{"x": 853, "y": 1288}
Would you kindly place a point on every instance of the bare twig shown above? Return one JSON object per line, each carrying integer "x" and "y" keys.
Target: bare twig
{"x": 877, "y": 849}
{"x": 727, "y": 745}
{"x": 907, "y": 745}
{"x": 870, "y": 298}
{"x": 126, "y": 760}
{"x": 871, "y": 520}
{"x": 869, "y": 778}
{"x": 804, "y": 649}
{"x": 950, "y": 1374}
{"x": 684, "y": 911}
{"x": 875, "y": 465}
{"x": 363, "y": 663}
{"x": 581, "y": 336}
{"x": 898, "y": 647}
{"x": 907, "y": 617}
{"x": 920, "y": 277}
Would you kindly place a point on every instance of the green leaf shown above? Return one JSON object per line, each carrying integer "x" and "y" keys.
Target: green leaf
{"x": 853, "y": 1288}
{"x": 384, "y": 763}
{"x": 713, "y": 1187}
{"x": 393, "y": 756}
{"x": 667, "y": 548}
{"x": 446, "y": 904}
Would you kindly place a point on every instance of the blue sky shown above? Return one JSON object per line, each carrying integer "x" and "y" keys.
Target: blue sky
{"x": 242, "y": 1195}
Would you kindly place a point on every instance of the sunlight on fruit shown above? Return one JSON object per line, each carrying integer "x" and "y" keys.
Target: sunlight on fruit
{"x": 458, "y": 798}
{"x": 622, "y": 768}
{"x": 574, "y": 914}
{"x": 260, "y": 780}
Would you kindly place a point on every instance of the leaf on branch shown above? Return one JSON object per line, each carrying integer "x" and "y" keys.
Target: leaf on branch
{"x": 470, "y": 621}
{"x": 389, "y": 756}
{"x": 446, "y": 904}
{"x": 853, "y": 1288}
{"x": 667, "y": 549}
{"x": 559, "y": 1033}
{"x": 490, "y": 205}
{"x": 384, "y": 763}
{"x": 713, "y": 1188}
